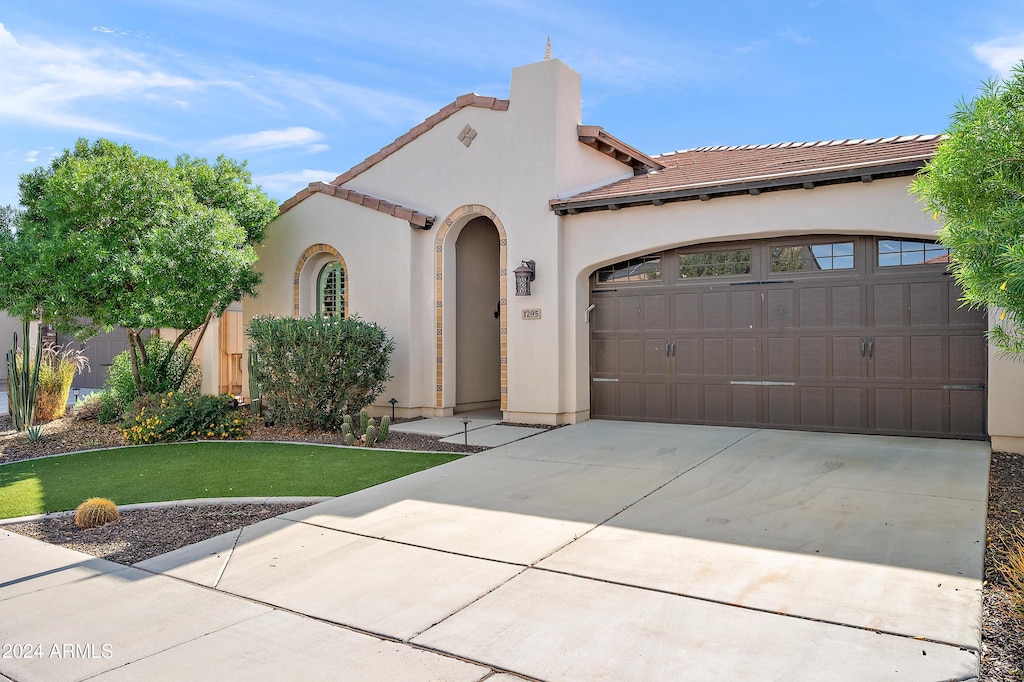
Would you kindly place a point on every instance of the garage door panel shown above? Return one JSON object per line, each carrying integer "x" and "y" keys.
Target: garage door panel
{"x": 814, "y": 357}
{"x": 813, "y": 308}
{"x": 630, "y": 353}
{"x": 781, "y": 357}
{"x": 846, "y": 357}
{"x": 687, "y": 357}
{"x": 848, "y": 408}
{"x": 927, "y": 410}
{"x": 655, "y": 313}
{"x": 967, "y": 412}
{"x": 688, "y": 310}
{"x": 716, "y": 403}
{"x": 604, "y": 317}
{"x": 715, "y": 310}
{"x": 606, "y": 356}
{"x": 847, "y": 306}
{"x": 780, "y": 308}
{"x": 629, "y": 317}
{"x": 890, "y": 408}
{"x": 814, "y": 407}
{"x": 889, "y": 357}
{"x": 890, "y": 305}
{"x": 630, "y": 405}
{"x": 656, "y": 357}
{"x": 961, "y": 316}
{"x": 927, "y": 303}
{"x": 927, "y": 359}
{"x": 967, "y": 358}
{"x": 746, "y": 404}
{"x": 715, "y": 357}
{"x": 781, "y": 405}
{"x": 744, "y": 358}
{"x": 745, "y": 312}
{"x": 688, "y": 402}
{"x": 604, "y": 399}
{"x": 656, "y": 401}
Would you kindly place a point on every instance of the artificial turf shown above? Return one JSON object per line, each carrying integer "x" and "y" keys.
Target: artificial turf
{"x": 183, "y": 471}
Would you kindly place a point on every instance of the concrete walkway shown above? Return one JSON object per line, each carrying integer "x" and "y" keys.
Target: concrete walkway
{"x": 601, "y": 551}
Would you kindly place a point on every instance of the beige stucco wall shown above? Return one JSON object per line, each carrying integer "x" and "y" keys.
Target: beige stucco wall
{"x": 1005, "y": 399}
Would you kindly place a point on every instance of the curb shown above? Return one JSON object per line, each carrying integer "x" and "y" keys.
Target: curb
{"x": 199, "y": 502}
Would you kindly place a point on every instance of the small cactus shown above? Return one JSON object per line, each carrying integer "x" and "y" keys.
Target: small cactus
{"x": 371, "y": 422}
{"x": 350, "y": 438}
{"x": 364, "y": 419}
{"x": 34, "y": 433}
{"x": 382, "y": 431}
{"x": 96, "y": 512}
{"x": 346, "y": 428}
{"x": 347, "y": 419}
{"x": 371, "y": 434}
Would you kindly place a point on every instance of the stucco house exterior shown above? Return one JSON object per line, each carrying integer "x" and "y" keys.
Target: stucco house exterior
{"x": 791, "y": 285}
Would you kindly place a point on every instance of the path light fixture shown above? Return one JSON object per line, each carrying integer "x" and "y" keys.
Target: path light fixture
{"x": 393, "y": 402}
{"x": 465, "y": 430}
{"x": 525, "y": 274}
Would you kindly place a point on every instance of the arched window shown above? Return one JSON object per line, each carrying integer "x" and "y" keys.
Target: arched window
{"x": 330, "y": 299}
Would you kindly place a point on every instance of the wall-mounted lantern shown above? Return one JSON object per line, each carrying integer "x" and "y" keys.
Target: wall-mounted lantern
{"x": 525, "y": 274}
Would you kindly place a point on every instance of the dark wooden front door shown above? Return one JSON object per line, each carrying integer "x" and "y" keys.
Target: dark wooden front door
{"x": 852, "y": 334}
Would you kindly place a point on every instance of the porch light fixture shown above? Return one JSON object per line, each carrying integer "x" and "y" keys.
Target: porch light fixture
{"x": 525, "y": 274}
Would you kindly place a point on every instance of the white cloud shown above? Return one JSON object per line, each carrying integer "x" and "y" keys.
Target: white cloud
{"x": 296, "y": 136}
{"x": 1000, "y": 54}
{"x": 32, "y": 156}
{"x": 286, "y": 184}
{"x": 45, "y": 83}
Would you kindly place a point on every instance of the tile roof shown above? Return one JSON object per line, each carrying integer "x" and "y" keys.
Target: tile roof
{"x": 468, "y": 100}
{"x": 704, "y": 172}
{"x": 414, "y": 218}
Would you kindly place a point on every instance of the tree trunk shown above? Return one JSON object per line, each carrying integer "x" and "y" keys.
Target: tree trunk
{"x": 135, "y": 350}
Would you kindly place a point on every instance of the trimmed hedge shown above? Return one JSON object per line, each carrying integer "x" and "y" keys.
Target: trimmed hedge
{"x": 313, "y": 371}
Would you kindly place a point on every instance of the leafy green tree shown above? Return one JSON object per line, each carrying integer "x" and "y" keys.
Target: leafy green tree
{"x": 108, "y": 237}
{"x": 975, "y": 185}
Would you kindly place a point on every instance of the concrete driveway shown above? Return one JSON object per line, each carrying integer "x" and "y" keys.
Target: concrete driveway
{"x": 601, "y": 551}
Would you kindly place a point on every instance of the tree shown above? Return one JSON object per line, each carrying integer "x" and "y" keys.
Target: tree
{"x": 108, "y": 237}
{"x": 975, "y": 185}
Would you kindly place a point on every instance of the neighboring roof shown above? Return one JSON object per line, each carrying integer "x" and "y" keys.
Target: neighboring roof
{"x": 469, "y": 100}
{"x": 414, "y": 218}
{"x": 706, "y": 172}
{"x": 596, "y": 137}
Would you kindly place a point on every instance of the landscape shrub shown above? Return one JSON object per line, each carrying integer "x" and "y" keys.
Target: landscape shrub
{"x": 121, "y": 383}
{"x": 314, "y": 371}
{"x": 57, "y": 369}
{"x": 176, "y": 416}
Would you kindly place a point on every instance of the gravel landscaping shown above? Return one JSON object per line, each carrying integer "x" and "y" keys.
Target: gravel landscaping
{"x": 144, "y": 534}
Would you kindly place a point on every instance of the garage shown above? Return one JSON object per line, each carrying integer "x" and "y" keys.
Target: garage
{"x": 827, "y": 333}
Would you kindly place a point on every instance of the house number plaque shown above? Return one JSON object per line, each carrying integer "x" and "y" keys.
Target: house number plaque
{"x": 531, "y": 313}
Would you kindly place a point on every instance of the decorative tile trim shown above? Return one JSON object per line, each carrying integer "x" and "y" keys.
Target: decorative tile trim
{"x": 474, "y": 210}
{"x": 414, "y": 218}
{"x": 306, "y": 255}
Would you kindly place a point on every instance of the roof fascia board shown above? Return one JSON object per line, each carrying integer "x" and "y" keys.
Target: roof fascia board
{"x": 598, "y": 138}
{"x": 416, "y": 219}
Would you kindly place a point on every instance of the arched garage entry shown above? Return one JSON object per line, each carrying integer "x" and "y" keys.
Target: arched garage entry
{"x": 852, "y": 334}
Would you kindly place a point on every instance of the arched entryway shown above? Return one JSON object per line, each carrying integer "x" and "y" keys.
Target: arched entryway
{"x": 477, "y": 316}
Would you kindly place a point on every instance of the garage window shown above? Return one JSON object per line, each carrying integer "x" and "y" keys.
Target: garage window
{"x": 813, "y": 257}
{"x": 643, "y": 269}
{"x": 714, "y": 263}
{"x": 893, "y": 252}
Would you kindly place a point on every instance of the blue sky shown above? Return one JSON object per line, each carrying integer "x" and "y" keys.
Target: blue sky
{"x": 303, "y": 91}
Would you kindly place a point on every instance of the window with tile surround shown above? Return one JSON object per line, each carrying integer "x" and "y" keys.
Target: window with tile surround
{"x": 330, "y": 300}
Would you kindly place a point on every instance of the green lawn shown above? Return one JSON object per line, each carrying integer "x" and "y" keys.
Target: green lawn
{"x": 205, "y": 469}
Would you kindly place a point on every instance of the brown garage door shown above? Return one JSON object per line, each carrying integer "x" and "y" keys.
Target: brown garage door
{"x": 101, "y": 351}
{"x": 853, "y": 334}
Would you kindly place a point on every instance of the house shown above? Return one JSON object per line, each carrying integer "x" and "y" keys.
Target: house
{"x": 785, "y": 285}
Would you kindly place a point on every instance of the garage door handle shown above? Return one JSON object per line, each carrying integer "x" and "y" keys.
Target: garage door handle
{"x": 871, "y": 347}
{"x": 863, "y": 341}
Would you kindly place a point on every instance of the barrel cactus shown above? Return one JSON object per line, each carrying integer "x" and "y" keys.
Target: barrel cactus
{"x": 382, "y": 430}
{"x": 350, "y": 438}
{"x": 371, "y": 434}
{"x": 364, "y": 420}
{"x": 346, "y": 428}
{"x": 347, "y": 419}
{"x": 96, "y": 512}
